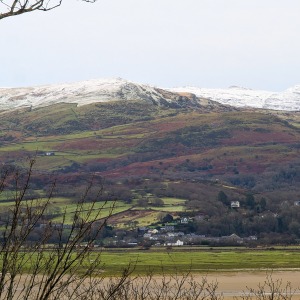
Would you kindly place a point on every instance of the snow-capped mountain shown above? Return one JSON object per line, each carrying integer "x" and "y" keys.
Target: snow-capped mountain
{"x": 117, "y": 89}
{"x": 288, "y": 100}
{"x": 82, "y": 93}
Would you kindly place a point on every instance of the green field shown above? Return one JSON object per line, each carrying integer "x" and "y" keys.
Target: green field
{"x": 201, "y": 261}
{"x": 193, "y": 260}
{"x": 62, "y": 208}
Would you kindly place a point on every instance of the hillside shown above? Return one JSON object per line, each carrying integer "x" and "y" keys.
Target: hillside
{"x": 182, "y": 149}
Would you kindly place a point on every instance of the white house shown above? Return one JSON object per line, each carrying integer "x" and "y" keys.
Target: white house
{"x": 178, "y": 243}
{"x": 235, "y": 204}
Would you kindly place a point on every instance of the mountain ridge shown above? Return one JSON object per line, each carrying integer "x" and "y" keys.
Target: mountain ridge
{"x": 88, "y": 92}
{"x": 288, "y": 100}
{"x": 118, "y": 89}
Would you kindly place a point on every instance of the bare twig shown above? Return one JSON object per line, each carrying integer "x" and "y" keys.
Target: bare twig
{"x": 9, "y": 8}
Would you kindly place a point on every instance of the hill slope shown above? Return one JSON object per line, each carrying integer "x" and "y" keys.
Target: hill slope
{"x": 181, "y": 148}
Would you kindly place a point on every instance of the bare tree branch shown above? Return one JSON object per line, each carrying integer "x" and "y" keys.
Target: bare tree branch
{"x": 9, "y": 8}
{"x": 41, "y": 269}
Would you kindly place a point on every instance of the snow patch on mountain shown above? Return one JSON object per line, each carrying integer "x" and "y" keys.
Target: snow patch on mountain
{"x": 288, "y": 100}
{"x": 117, "y": 89}
{"x": 82, "y": 93}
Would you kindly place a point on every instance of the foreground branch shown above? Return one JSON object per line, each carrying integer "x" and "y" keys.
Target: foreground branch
{"x": 9, "y": 8}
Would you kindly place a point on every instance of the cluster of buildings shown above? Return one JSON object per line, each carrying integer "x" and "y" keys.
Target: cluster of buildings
{"x": 168, "y": 236}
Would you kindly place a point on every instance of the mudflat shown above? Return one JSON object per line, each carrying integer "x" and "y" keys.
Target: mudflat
{"x": 232, "y": 284}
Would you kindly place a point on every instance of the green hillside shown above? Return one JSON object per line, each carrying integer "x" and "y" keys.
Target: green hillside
{"x": 145, "y": 151}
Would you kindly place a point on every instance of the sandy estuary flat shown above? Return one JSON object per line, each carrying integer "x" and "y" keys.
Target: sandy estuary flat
{"x": 232, "y": 284}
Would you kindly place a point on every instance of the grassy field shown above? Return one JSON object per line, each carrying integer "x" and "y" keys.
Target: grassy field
{"x": 99, "y": 211}
{"x": 59, "y": 206}
{"x": 184, "y": 260}
{"x": 203, "y": 261}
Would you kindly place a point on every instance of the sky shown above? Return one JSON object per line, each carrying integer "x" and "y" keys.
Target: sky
{"x": 165, "y": 43}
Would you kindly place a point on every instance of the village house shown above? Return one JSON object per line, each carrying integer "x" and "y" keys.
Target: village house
{"x": 235, "y": 204}
{"x": 177, "y": 243}
{"x": 186, "y": 220}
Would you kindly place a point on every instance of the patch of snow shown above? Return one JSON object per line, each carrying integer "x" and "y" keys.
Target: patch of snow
{"x": 117, "y": 89}
{"x": 288, "y": 100}
{"x": 82, "y": 93}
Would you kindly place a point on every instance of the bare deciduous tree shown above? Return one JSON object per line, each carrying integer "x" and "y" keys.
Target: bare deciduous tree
{"x": 270, "y": 289}
{"x": 9, "y": 8}
{"x": 60, "y": 256}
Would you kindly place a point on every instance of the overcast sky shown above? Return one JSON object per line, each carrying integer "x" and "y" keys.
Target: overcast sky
{"x": 167, "y": 43}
